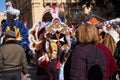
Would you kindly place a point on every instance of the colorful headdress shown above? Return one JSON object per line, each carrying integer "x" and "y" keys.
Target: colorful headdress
{"x": 21, "y": 32}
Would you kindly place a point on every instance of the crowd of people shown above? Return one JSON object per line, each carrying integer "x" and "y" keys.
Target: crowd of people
{"x": 91, "y": 51}
{"x": 95, "y": 56}
{"x": 88, "y": 53}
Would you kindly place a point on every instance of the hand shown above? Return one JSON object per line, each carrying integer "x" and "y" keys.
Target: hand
{"x": 25, "y": 75}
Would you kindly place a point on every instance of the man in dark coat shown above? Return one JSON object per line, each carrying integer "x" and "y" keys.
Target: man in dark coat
{"x": 12, "y": 59}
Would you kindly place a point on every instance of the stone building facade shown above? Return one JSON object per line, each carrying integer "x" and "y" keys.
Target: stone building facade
{"x": 35, "y": 10}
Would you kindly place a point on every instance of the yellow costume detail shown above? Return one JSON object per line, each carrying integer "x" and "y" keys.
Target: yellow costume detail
{"x": 17, "y": 33}
{"x": 8, "y": 28}
{"x": 53, "y": 46}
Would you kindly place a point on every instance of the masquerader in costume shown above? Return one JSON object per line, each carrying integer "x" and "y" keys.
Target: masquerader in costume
{"x": 21, "y": 32}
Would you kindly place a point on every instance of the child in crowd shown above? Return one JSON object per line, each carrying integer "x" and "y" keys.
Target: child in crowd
{"x": 51, "y": 67}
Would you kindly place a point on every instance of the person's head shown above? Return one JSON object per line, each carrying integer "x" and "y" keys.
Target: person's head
{"x": 54, "y": 55}
{"x": 101, "y": 36}
{"x": 49, "y": 36}
{"x": 10, "y": 35}
{"x": 87, "y": 33}
{"x": 3, "y": 22}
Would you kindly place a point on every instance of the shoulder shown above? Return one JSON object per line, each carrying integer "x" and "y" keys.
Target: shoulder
{"x": 85, "y": 46}
{"x": 103, "y": 48}
{"x": 84, "y": 50}
{"x": 11, "y": 43}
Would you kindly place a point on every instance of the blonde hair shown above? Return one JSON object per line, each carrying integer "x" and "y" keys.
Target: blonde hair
{"x": 87, "y": 33}
{"x": 109, "y": 42}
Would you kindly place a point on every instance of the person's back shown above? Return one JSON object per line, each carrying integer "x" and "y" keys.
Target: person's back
{"x": 111, "y": 66}
{"x": 14, "y": 56}
{"x": 12, "y": 59}
{"x": 83, "y": 57}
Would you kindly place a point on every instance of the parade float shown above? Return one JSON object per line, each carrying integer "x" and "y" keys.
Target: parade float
{"x": 37, "y": 37}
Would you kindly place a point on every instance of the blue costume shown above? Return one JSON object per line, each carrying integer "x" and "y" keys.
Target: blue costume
{"x": 21, "y": 32}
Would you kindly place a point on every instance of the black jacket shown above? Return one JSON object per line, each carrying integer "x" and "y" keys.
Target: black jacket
{"x": 12, "y": 57}
{"x": 117, "y": 53}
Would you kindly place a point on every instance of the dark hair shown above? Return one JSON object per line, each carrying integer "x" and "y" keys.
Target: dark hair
{"x": 49, "y": 35}
{"x": 102, "y": 34}
{"x": 3, "y": 21}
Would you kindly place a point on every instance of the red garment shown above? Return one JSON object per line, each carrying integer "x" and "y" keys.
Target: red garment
{"x": 58, "y": 64}
{"x": 44, "y": 64}
{"x": 111, "y": 66}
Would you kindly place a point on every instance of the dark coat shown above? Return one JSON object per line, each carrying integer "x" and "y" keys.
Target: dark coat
{"x": 12, "y": 57}
{"x": 117, "y": 53}
{"x": 67, "y": 68}
{"x": 82, "y": 58}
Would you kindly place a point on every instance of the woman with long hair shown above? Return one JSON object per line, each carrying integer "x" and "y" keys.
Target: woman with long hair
{"x": 109, "y": 42}
{"x": 85, "y": 55}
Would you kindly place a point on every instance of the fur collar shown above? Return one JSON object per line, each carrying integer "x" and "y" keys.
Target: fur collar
{"x": 11, "y": 42}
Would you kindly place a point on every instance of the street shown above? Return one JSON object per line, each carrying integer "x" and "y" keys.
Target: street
{"x": 34, "y": 76}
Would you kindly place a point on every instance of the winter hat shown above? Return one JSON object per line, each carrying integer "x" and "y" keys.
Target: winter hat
{"x": 10, "y": 34}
